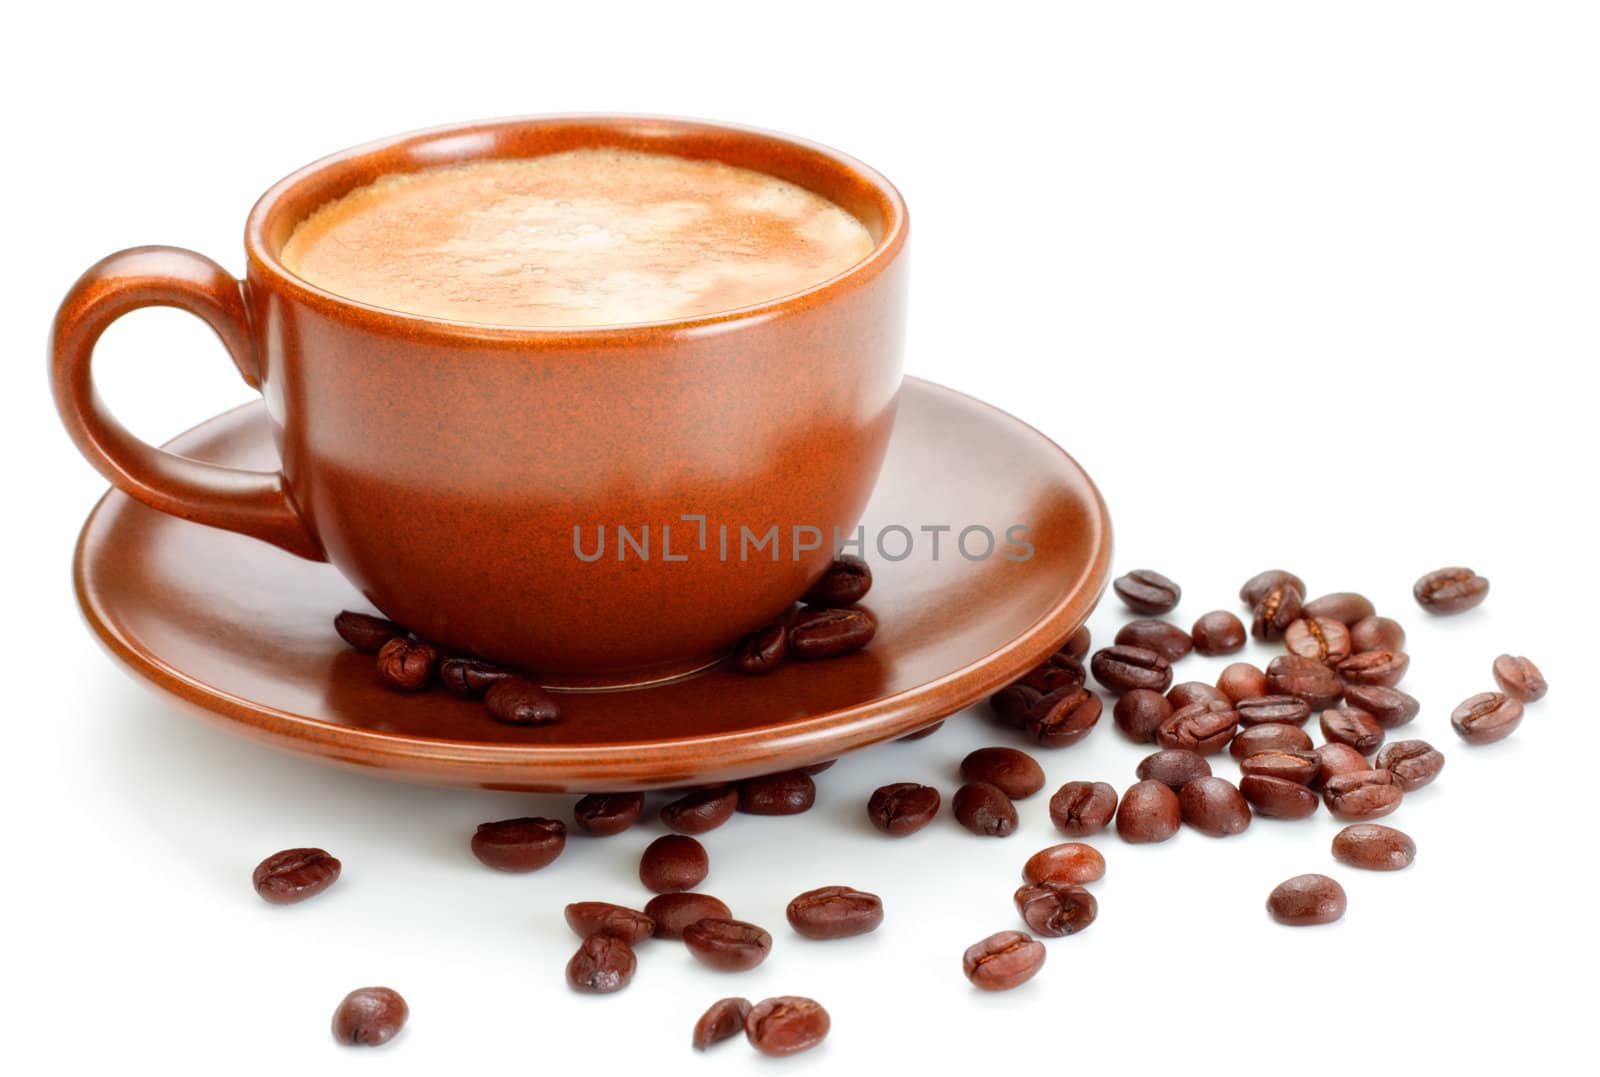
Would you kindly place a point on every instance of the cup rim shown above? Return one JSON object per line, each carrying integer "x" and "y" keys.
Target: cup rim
{"x": 265, "y": 264}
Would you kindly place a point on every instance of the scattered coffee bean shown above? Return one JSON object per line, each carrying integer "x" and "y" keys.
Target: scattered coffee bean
{"x": 763, "y": 650}
{"x": 370, "y": 1017}
{"x": 1306, "y": 900}
{"x": 984, "y": 809}
{"x": 603, "y": 964}
{"x": 1064, "y": 717}
{"x": 1261, "y": 584}
{"x": 587, "y": 918}
{"x": 701, "y": 810}
{"x": 1149, "y": 812}
{"x": 1519, "y": 678}
{"x": 1290, "y": 764}
{"x": 1241, "y": 680}
{"x": 673, "y": 863}
{"x": 1383, "y": 668}
{"x": 605, "y": 814}
{"x": 788, "y": 792}
{"x": 1377, "y": 634}
{"x": 1070, "y": 862}
{"x": 1078, "y": 644}
{"x": 1274, "y": 612}
{"x": 1173, "y": 767}
{"x": 1054, "y": 674}
{"x": 1279, "y": 798}
{"x": 828, "y": 633}
{"x": 407, "y": 665}
{"x": 1321, "y": 638}
{"x": 1214, "y": 807}
{"x": 1012, "y": 704}
{"x": 1346, "y": 607}
{"x": 671, "y": 913}
{"x": 1217, "y": 632}
{"x": 1204, "y": 727}
{"x": 1147, "y": 592}
{"x": 295, "y": 874}
{"x": 1017, "y": 774}
{"x": 727, "y": 945}
{"x": 1414, "y": 763}
{"x": 1273, "y": 710}
{"x": 835, "y": 912}
{"x": 1450, "y": 590}
{"x": 786, "y": 1025}
{"x": 1002, "y": 961}
{"x": 903, "y": 807}
{"x": 1189, "y": 693}
{"x": 817, "y": 768}
{"x": 925, "y": 731}
{"x": 1162, "y": 637}
{"x": 365, "y": 632}
{"x": 1269, "y": 737}
{"x": 1139, "y": 713}
{"x": 516, "y": 701}
{"x": 1374, "y": 847}
{"x": 1486, "y": 717}
{"x": 1359, "y": 795}
{"x": 1336, "y": 759}
{"x": 1304, "y": 678}
{"x": 1349, "y": 725}
{"x": 1389, "y": 707}
{"x": 1083, "y": 808}
{"x": 1122, "y": 669}
{"x": 723, "y": 1021}
{"x": 1056, "y": 910}
{"x": 470, "y": 678}
{"x": 845, "y": 583}
{"x": 526, "y": 844}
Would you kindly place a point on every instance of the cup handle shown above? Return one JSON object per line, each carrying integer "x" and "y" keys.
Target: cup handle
{"x": 253, "y": 503}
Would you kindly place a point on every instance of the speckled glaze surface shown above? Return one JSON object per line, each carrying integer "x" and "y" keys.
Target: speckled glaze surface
{"x": 443, "y": 466}
{"x": 242, "y": 633}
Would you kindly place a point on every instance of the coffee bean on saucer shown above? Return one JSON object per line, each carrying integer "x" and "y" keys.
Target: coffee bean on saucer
{"x": 1200, "y": 727}
{"x": 1389, "y": 707}
{"x": 1274, "y": 612}
{"x": 605, "y": 814}
{"x": 1269, "y": 737}
{"x": 1122, "y": 669}
{"x": 1384, "y": 668}
{"x": 1147, "y": 592}
{"x": 1241, "y": 680}
{"x": 1272, "y": 710}
{"x": 294, "y": 875}
{"x": 984, "y": 809}
{"x": 1414, "y": 763}
{"x": 407, "y": 664}
{"x": 1139, "y": 713}
{"x": 903, "y": 807}
{"x": 1083, "y": 808}
{"x": 1149, "y": 812}
{"x": 1450, "y": 590}
{"x": 1377, "y": 634}
{"x": 1486, "y": 717}
{"x": 1013, "y": 703}
{"x": 365, "y": 632}
{"x": 1056, "y": 910}
{"x": 1519, "y": 678}
{"x": 925, "y": 731}
{"x": 786, "y": 1025}
{"x": 1191, "y": 692}
{"x": 700, "y": 810}
{"x": 1017, "y": 774}
{"x": 470, "y": 678}
{"x": 1291, "y": 764}
{"x": 1305, "y": 679}
{"x": 1069, "y": 862}
{"x": 830, "y": 633}
{"x": 1214, "y": 807}
{"x": 1004, "y": 960}
{"x": 1346, "y": 607}
{"x": 1374, "y": 847}
{"x": 1064, "y": 717}
{"x": 526, "y": 844}
{"x": 763, "y": 650}
{"x": 1336, "y": 759}
{"x": 1364, "y": 794}
{"x": 1217, "y": 632}
{"x": 1077, "y": 645}
{"x": 845, "y": 583}
{"x": 1279, "y": 798}
{"x": 671, "y": 913}
{"x": 722, "y": 1021}
{"x": 1162, "y": 637}
{"x": 1357, "y": 728}
{"x": 516, "y": 701}
{"x": 835, "y": 912}
{"x": 673, "y": 863}
{"x": 602, "y": 965}
{"x": 587, "y": 918}
{"x": 727, "y": 945}
{"x": 1306, "y": 900}
{"x": 370, "y": 1017}
{"x": 1321, "y": 638}
{"x": 788, "y": 792}
{"x": 1173, "y": 767}
{"x": 1261, "y": 584}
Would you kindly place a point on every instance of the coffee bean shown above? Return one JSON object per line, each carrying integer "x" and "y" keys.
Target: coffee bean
{"x": 525, "y": 844}
{"x": 1389, "y": 707}
{"x": 1147, "y": 592}
{"x": 723, "y": 1021}
{"x": 786, "y": 1025}
{"x": 1377, "y": 634}
{"x": 984, "y": 809}
{"x": 1272, "y": 710}
{"x": 1269, "y": 737}
{"x": 903, "y": 808}
{"x": 1149, "y": 812}
{"x": 1162, "y": 637}
{"x": 587, "y": 918}
{"x": 1064, "y": 717}
{"x": 1450, "y": 590}
{"x": 1374, "y": 846}
{"x": 1383, "y": 668}
{"x": 817, "y": 768}
{"x": 365, "y": 632}
{"x": 1306, "y": 900}
{"x": 1305, "y": 679}
{"x": 1078, "y": 644}
{"x": 1290, "y": 764}
{"x": 671, "y": 913}
{"x": 1354, "y": 727}
{"x": 701, "y": 810}
{"x": 1189, "y": 693}
{"x": 673, "y": 863}
{"x": 1017, "y": 774}
{"x": 370, "y": 1017}
{"x": 835, "y": 912}
{"x": 925, "y": 731}
{"x": 1214, "y": 807}
{"x": 763, "y": 650}
{"x": 1122, "y": 669}
{"x": 294, "y": 875}
{"x": 845, "y": 583}
{"x": 1217, "y": 632}
{"x": 727, "y": 945}
{"x": 470, "y": 678}
{"x": 1070, "y": 862}
{"x": 1056, "y": 910}
{"x": 1336, "y": 759}
{"x": 605, "y": 814}
{"x": 1054, "y": 674}
{"x": 1173, "y": 767}
{"x": 1279, "y": 798}
{"x": 1274, "y": 612}
{"x": 407, "y": 665}
{"x": 1414, "y": 763}
{"x": 1359, "y": 795}
{"x": 1083, "y": 808}
{"x": 602, "y": 965}
{"x": 1261, "y": 584}
{"x": 788, "y": 792}
{"x": 516, "y": 701}
{"x": 1519, "y": 678}
{"x": 1486, "y": 717}
{"x": 1241, "y": 680}
{"x": 1139, "y": 713}
{"x": 1002, "y": 961}
{"x": 1204, "y": 727}
{"x": 1321, "y": 638}
{"x": 1012, "y": 704}
{"x": 825, "y": 633}
{"x": 1346, "y": 607}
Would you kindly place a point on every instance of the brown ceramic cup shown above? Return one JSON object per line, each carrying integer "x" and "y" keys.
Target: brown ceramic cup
{"x": 443, "y": 467}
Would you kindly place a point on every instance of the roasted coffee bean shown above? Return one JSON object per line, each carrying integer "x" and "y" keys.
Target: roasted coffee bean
{"x": 1173, "y": 767}
{"x": 370, "y": 1017}
{"x": 1346, "y": 607}
{"x": 924, "y": 732}
{"x": 673, "y": 863}
{"x": 365, "y": 632}
{"x": 701, "y": 810}
{"x": 788, "y": 792}
{"x": 1276, "y": 610}
{"x": 671, "y": 913}
{"x": 1017, "y": 774}
{"x": 1070, "y": 862}
{"x": 1306, "y": 900}
{"x": 525, "y": 844}
{"x": 1269, "y": 737}
{"x": 786, "y": 1025}
{"x": 1191, "y": 692}
{"x": 1349, "y": 725}
{"x": 1336, "y": 759}
{"x": 1149, "y": 812}
{"x": 1139, "y": 713}
{"x": 1064, "y": 717}
{"x": 1321, "y": 638}
{"x": 825, "y": 633}
{"x": 470, "y": 678}
{"x": 1055, "y": 674}
{"x": 1365, "y": 794}
{"x": 1486, "y": 717}
{"x": 1273, "y": 710}
{"x": 1305, "y": 679}
{"x": 1384, "y": 668}
{"x": 903, "y": 807}
{"x": 1147, "y": 592}
{"x": 1083, "y": 808}
{"x": 587, "y": 918}
{"x": 1374, "y": 846}
{"x": 1122, "y": 669}
{"x": 1214, "y": 807}
{"x": 835, "y": 912}
{"x": 763, "y": 650}
{"x": 603, "y": 964}
{"x": 1519, "y": 678}
{"x": 604, "y": 814}
{"x": 1204, "y": 727}
{"x": 1389, "y": 707}
{"x": 294, "y": 875}
{"x": 1012, "y": 704}
{"x": 1217, "y": 632}
{"x": 817, "y": 768}
{"x": 723, "y": 1021}
{"x": 1377, "y": 634}
{"x": 1450, "y": 590}
{"x": 1055, "y": 910}
{"x": 407, "y": 665}
{"x": 1261, "y": 584}
{"x": 1002, "y": 961}
{"x": 521, "y": 702}
{"x": 1162, "y": 637}
{"x": 1414, "y": 763}
{"x": 1291, "y": 764}
{"x": 1078, "y": 644}
{"x": 845, "y": 583}
{"x": 1279, "y": 798}
{"x": 727, "y": 945}
{"x": 984, "y": 809}
{"x": 1241, "y": 680}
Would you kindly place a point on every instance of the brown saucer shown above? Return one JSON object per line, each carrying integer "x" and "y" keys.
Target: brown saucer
{"x": 243, "y": 633}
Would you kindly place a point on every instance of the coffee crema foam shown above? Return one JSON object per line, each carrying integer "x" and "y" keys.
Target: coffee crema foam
{"x": 584, "y": 237}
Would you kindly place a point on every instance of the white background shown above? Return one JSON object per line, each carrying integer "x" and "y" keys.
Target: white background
{"x": 1309, "y": 285}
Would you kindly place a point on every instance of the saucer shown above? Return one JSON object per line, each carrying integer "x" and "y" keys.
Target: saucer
{"x": 243, "y": 634}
